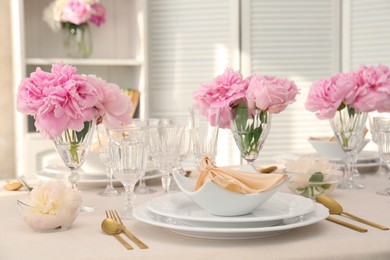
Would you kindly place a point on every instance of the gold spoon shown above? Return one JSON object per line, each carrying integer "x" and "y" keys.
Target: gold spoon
{"x": 335, "y": 208}
{"x": 13, "y": 186}
{"x": 113, "y": 228}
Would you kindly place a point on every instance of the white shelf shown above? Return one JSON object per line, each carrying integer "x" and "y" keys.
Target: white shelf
{"x": 88, "y": 62}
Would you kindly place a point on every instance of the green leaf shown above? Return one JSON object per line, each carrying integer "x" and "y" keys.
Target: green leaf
{"x": 81, "y": 134}
{"x": 317, "y": 177}
{"x": 341, "y": 107}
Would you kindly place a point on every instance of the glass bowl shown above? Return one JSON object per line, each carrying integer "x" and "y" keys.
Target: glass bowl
{"x": 57, "y": 220}
{"x": 312, "y": 185}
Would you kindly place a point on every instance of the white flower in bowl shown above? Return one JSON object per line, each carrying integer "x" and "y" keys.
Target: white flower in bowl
{"x": 50, "y": 205}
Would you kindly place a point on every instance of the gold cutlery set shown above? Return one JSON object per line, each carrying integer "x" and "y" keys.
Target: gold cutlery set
{"x": 336, "y": 209}
{"x": 113, "y": 225}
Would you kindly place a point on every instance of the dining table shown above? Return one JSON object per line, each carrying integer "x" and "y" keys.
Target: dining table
{"x": 86, "y": 240}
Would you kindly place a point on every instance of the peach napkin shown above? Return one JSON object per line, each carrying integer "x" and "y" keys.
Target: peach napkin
{"x": 237, "y": 181}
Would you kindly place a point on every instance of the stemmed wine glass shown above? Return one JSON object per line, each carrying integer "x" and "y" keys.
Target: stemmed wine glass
{"x": 349, "y": 127}
{"x": 381, "y": 172}
{"x": 204, "y": 130}
{"x": 382, "y": 126}
{"x": 73, "y": 147}
{"x": 104, "y": 156}
{"x": 129, "y": 157}
{"x": 142, "y": 188}
{"x": 164, "y": 147}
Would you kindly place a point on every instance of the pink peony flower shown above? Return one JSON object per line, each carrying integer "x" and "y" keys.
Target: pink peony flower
{"x": 98, "y": 14}
{"x": 113, "y": 105}
{"x": 222, "y": 92}
{"x": 270, "y": 93}
{"x": 366, "y": 90}
{"x": 373, "y": 89}
{"x": 30, "y": 94}
{"x": 63, "y": 100}
{"x": 325, "y": 96}
{"x": 76, "y": 12}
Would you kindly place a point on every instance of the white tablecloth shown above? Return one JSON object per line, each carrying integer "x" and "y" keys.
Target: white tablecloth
{"x": 85, "y": 240}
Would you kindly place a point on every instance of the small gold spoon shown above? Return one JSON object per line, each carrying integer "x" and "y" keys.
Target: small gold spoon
{"x": 13, "y": 186}
{"x": 335, "y": 208}
{"x": 113, "y": 228}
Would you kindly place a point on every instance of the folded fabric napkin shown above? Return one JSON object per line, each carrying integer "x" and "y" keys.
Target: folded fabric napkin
{"x": 237, "y": 181}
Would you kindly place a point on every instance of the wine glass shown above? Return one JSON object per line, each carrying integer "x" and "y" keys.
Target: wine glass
{"x": 163, "y": 144}
{"x": 204, "y": 130}
{"x": 104, "y": 156}
{"x": 382, "y": 126}
{"x": 381, "y": 172}
{"x": 129, "y": 157}
{"x": 185, "y": 144}
{"x": 250, "y": 129}
{"x": 73, "y": 147}
{"x": 142, "y": 188}
{"x": 349, "y": 127}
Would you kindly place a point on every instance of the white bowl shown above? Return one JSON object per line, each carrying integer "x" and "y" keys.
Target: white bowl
{"x": 221, "y": 202}
{"x": 332, "y": 149}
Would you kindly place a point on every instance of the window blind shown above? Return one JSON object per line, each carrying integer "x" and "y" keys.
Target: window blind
{"x": 190, "y": 42}
{"x": 298, "y": 40}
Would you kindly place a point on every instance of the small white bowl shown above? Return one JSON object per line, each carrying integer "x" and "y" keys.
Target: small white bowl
{"x": 221, "y": 202}
{"x": 332, "y": 149}
{"x": 63, "y": 218}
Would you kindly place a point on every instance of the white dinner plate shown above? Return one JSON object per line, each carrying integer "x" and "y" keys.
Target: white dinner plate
{"x": 143, "y": 214}
{"x": 280, "y": 206}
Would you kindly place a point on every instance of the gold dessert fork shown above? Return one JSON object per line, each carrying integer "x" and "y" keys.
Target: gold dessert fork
{"x": 114, "y": 215}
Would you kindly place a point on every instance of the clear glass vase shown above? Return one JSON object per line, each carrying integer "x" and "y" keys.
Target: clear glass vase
{"x": 250, "y": 129}
{"x": 73, "y": 147}
{"x": 77, "y": 40}
{"x": 348, "y": 126}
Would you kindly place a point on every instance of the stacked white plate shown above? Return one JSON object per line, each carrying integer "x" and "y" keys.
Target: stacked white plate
{"x": 91, "y": 174}
{"x": 281, "y": 213}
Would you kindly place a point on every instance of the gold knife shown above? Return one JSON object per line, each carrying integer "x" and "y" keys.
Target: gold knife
{"x": 346, "y": 224}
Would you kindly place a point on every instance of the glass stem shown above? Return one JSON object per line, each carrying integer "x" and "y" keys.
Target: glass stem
{"x": 348, "y": 167}
{"x": 166, "y": 181}
{"x": 129, "y": 198}
{"x": 110, "y": 173}
{"x": 73, "y": 177}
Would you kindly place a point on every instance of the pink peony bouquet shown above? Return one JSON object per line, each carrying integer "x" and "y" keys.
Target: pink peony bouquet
{"x": 63, "y": 99}
{"x": 74, "y": 12}
{"x": 228, "y": 90}
{"x": 364, "y": 90}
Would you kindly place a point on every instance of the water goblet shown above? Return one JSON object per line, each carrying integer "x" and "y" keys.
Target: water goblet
{"x": 104, "y": 156}
{"x": 142, "y": 188}
{"x": 348, "y": 126}
{"x": 373, "y": 117}
{"x": 129, "y": 157}
{"x": 163, "y": 144}
{"x": 73, "y": 147}
{"x": 383, "y": 140}
{"x": 204, "y": 130}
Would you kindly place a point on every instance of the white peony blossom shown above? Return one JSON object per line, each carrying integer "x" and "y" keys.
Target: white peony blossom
{"x": 51, "y": 205}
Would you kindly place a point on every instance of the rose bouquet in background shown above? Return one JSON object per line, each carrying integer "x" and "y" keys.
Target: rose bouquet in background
{"x": 73, "y": 16}
{"x": 50, "y": 205}
{"x": 345, "y": 99}
{"x": 66, "y": 106}
{"x": 246, "y": 106}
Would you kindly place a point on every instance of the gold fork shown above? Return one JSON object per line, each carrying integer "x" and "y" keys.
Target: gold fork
{"x": 114, "y": 215}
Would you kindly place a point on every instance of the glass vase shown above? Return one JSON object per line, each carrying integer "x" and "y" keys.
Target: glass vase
{"x": 250, "y": 129}
{"x": 77, "y": 40}
{"x": 73, "y": 147}
{"x": 348, "y": 126}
